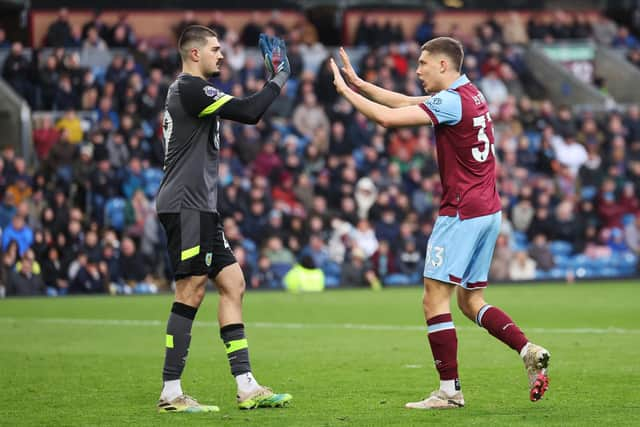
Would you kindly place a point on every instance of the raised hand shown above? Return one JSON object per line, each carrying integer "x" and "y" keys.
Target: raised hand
{"x": 280, "y": 57}
{"x": 266, "y": 44}
{"x": 350, "y": 74}
{"x": 338, "y": 81}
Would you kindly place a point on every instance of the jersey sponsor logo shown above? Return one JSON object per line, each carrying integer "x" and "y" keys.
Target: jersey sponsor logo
{"x": 210, "y": 91}
{"x": 208, "y": 258}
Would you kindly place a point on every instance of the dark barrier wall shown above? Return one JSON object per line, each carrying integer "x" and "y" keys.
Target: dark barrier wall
{"x": 169, "y": 4}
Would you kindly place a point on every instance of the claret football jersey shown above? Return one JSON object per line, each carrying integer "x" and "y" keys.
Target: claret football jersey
{"x": 465, "y": 150}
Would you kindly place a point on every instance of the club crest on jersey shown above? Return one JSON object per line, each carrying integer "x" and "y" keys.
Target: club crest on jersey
{"x": 208, "y": 258}
{"x": 210, "y": 91}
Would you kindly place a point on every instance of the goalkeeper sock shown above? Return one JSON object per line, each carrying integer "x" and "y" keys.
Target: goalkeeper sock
{"x": 246, "y": 382}
{"x": 171, "y": 390}
{"x": 177, "y": 348}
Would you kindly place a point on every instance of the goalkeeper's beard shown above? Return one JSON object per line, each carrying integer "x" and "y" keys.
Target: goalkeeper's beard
{"x": 213, "y": 74}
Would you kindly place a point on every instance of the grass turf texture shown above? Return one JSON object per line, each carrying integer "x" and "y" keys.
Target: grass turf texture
{"x": 98, "y": 370}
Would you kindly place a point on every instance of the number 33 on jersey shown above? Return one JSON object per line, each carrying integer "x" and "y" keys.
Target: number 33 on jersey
{"x": 465, "y": 148}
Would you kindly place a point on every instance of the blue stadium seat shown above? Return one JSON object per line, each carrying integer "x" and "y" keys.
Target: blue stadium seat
{"x": 280, "y": 269}
{"x": 558, "y": 273}
{"x": 608, "y": 272}
{"x": 560, "y": 247}
{"x": 152, "y": 178}
{"x": 542, "y": 275}
{"x": 580, "y": 260}
{"x": 397, "y": 279}
{"x": 588, "y": 193}
{"x": 626, "y": 259}
{"x": 115, "y": 213}
{"x": 331, "y": 281}
{"x": 562, "y": 261}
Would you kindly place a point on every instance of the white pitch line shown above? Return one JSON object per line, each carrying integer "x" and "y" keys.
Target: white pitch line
{"x": 276, "y": 325}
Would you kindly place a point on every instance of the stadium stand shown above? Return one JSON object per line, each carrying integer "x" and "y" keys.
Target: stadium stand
{"x": 313, "y": 178}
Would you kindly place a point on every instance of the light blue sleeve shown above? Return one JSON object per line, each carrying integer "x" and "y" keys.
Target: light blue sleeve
{"x": 445, "y": 106}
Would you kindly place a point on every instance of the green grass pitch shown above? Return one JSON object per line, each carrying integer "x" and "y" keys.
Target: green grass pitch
{"x": 348, "y": 357}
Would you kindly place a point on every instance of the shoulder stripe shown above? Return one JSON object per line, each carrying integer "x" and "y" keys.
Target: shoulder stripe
{"x": 212, "y": 108}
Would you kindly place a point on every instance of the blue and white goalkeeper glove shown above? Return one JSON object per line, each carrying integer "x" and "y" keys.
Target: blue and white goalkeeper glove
{"x": 274, "y": 52}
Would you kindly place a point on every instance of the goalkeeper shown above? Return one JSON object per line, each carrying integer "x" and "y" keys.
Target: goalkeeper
{"x": 187, "y": 208}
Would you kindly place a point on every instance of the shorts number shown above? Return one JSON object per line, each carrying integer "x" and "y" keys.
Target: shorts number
{"x": 438, "y": 255}
{"x": 481, "y": 122}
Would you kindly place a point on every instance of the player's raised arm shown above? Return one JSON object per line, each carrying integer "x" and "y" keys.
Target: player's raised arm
{"x": 376, "y": 93}
{"x": 250, "y": 109}
{"x": 411, "y": 115}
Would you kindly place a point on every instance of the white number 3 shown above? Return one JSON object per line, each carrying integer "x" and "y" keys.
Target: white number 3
{"x": 481, "y": 122}
{"x": 438, "y": 255}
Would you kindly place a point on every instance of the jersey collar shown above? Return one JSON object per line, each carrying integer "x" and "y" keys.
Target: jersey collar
{"x": 462, "y": 80}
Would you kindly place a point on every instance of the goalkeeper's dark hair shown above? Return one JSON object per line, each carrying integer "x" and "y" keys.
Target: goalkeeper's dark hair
{"x": 194, "y": 36}
{"x": 448, "y": 46}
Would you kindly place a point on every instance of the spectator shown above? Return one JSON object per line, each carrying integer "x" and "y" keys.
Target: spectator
{"x": 309, "y": 116}
{"x": 624, "y": 38}
{"x": 17, "y": 71}
{"x": 499, "y": 270}
{"x": 19, "y": 232}
{"x": 365, "y": 238}
{"x": 277, "y": 253}
{"x": 317, "y": 250}
{"x": 45, "y": 136}
{"x": 24, "y": 281}
{"x": 540, "y": 252}
{"x": 358, "y": 273}
{"x": 93, "y": 42}
{"x": 59, "y": 31}
{"x": 132, "y": 266}
{"x": 383, "y": 261}
{"x": 71, "y": 124}
{"x": 88, "y": 279}
{"x": 20, "y": 189}
{"x": 424, "y": 30}
{"x": 97, "y": 22}
{"x": 217, "y": 25}
{"x": 264, "y": 278}
{"x": 251, "y": 30}
{"x": 7, "y": 267}
{"x": 54, "y": 273}
{"x": 522, "y": 267}
{"x": 566, "y": 228}
{"x": 409, "y": 258}
{"x": 305, "y": 276}
{"x": 4, "y": 43}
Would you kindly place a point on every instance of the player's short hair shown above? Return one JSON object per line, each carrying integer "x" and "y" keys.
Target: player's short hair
{"x": 194, "y": 36}
{"x": 448, "y": 46}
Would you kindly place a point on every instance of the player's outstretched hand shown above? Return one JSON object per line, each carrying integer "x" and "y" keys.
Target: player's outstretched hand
{"x": 280, "y": 56}
{"x": 350, "y": 74}
{"x": 338, "y": 81}
{"x": 274, "y": 53}
{"x": 265, "y": 43}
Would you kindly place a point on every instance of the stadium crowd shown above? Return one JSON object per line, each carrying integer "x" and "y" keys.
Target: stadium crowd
{"x": 312, "y": 185}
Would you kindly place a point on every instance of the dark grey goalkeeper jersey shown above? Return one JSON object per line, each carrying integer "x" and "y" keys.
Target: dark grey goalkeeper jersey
{"x": 191, "y": 143}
